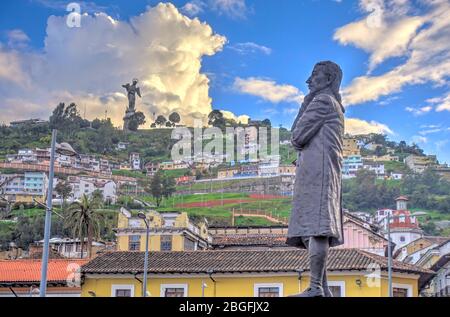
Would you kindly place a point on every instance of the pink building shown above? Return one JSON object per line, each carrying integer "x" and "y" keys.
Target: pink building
{"x": 362, "y": 235}
{"x": 358, "y": 234}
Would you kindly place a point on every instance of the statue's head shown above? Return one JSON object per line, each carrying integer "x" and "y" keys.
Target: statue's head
{"x": 326, "y": 74}
{"x": 135, "y": 81}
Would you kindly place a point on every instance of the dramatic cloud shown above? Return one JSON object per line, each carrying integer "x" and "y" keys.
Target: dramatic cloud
{"x": 393, "y": 29}
{"x": 250, "y": 47}
{"x": 239, "y": 119}
{"x": 87, "y": 65}
{"x": 268, "y": 90}
{"x": 355, "y": 126}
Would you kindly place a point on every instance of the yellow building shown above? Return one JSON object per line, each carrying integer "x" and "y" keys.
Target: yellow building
{"x": 29, "y": 198}
{"x": 172, "y": 166}
{"x": 289, "y": 169}
{"x": 383, "y": 158}
{"x": 351, "y": 147}
{"x": 245, "y": 273}
{"x": 169, "y": 232}
{"x": 227, "y": 173}
{"x": 412, "y": 252}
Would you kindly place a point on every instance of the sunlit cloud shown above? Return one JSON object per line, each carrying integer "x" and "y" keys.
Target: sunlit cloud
{"x": 268, "y": 90}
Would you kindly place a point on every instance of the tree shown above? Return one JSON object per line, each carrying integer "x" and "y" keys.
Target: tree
{"x": 84, "y": 219}
{"x": 266, "y": 123}
{"x": 216, "y": 119}
{"x": 136, "y": 120}
{"x": 168, "y": 184}
{"x": 67, "y": 119}
{"x": 380, "y": 151}
{"x": 156, "y": 188}
{"x": 161, "y": 120}
{"x": 63, "y": 189}
{"x": 174, "y": 118}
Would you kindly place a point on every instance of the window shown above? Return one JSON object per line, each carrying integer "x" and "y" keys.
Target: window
{"x": 68, "y": 247}
{"x": 402, "y": 290}
{"x": 337, "y": 288}
{"x": 189, "y": 245}
{"x": 78, "y": 247}
{"x": 268, "y": 290}
{"x": 402, "y": 239}
{"x": 134, "y": 243}
{"x": 174, "y": 290}
{"x": 166, "y": 243}
{"x": 122, "y": 291}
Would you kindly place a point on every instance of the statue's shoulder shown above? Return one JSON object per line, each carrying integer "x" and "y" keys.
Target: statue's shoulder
{"x": 324, "y": 98}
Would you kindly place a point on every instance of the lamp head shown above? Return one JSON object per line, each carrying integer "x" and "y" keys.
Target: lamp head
{"x": 65, "y": 149}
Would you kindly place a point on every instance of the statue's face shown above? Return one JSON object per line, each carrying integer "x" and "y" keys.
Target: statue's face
{"x": 135, "y": 82}
{"x": 319, "y": 79}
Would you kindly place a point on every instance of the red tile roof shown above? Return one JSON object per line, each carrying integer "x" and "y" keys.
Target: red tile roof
{"x": 22, "y": 271}
{"x": 224, "y": 240}
{"x": 282, "y": 260}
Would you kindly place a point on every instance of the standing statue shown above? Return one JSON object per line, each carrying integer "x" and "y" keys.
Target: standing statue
{"x": 132, "y": 90}
{"x": 316, "y": 222}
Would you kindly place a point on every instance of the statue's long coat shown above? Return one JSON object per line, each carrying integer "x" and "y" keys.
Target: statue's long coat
{"x": 317, "y": 205}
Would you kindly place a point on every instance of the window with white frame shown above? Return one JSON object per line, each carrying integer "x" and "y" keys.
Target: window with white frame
{"x": 166, "y": 243}
{"x": 134, "y": 243}
{"x": 122, "y": 291}
{"x": 402, "y": 290}
{"x": 174, "y": 290}
{"x": 268, "y": 290}
{"x": 337, "y": 288}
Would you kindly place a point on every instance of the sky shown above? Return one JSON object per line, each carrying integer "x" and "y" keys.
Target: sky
{"x": 248, "y": 58}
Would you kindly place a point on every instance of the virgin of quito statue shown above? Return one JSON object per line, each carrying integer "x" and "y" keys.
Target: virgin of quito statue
{"x": 132, "y": 90}
{"x": 317, "y": 135}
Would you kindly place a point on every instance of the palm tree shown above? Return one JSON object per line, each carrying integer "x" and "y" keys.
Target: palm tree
{"x": 84, "y": 219}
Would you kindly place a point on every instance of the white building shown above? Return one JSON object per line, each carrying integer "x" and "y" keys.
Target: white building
{"x": 403, "y": 225}
{"x": 121, "y": 146}
{"x": 71, "y": 248}
{"x": 135, "y": 161}
{"x": 397, "y": 176}
{"x": 268, "y": 169}
{"x": 27, "y": 156}
{"x": 377, "y": 168}
{"x": 87, "y": 186}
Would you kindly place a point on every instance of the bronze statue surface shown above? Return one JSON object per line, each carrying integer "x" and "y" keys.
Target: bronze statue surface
{"x": 317, "y": 219}
{"x": 132, "y": 90}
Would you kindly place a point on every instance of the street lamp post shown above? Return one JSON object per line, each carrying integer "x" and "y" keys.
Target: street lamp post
{"x": 64, "y": 149}
{"x": 390, "y": 260}
{"x": 144, "y": 282}
{"x": 389, "y": 255}
{"x": 48, "y": 219}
